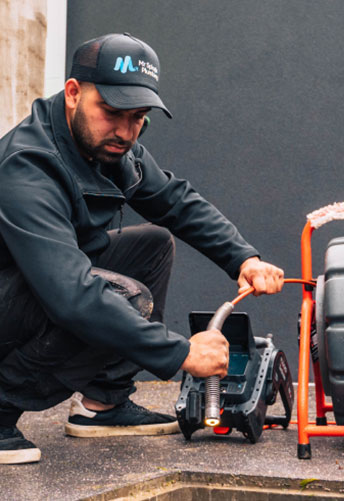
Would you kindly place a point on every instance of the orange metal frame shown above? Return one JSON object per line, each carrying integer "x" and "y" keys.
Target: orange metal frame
{"x": 305, "y": 428}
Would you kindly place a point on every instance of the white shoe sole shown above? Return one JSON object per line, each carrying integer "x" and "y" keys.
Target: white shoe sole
{"x": 20, "y": 456}
{"x": 77, "y": 430}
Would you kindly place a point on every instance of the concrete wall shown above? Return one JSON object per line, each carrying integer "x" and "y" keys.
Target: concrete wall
{"x": 22, "y": 57}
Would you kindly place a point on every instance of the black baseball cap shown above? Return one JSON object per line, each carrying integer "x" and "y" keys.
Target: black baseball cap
{"x": 124, "y": 69}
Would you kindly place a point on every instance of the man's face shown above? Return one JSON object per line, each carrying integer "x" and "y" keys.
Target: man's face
{"x": 102, "y": 133}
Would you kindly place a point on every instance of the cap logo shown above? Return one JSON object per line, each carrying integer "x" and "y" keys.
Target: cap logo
{"x": 149, "y": 69}
{"x": 123, "y": 65}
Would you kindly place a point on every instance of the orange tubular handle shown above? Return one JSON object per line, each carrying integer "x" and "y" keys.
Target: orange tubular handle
{"x": 306, "y": 251}
{"x": 249, "y": 291}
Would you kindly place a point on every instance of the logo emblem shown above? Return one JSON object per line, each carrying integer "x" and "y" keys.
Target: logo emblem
{"x": 125, "y": 65}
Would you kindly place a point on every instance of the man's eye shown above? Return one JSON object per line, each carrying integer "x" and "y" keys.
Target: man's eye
{"x": 110, "y": 111}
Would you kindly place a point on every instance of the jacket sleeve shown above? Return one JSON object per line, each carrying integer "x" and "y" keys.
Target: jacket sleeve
{"x": 35, "y": 223}
{"x": 167, "y": 201}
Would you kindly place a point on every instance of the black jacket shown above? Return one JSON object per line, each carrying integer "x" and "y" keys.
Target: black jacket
{"x": 55, "y": 209}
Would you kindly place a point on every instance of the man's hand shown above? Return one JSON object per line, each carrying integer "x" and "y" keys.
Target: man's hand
{"x": 264, "y": 277}
{"x": 208, "y": 356}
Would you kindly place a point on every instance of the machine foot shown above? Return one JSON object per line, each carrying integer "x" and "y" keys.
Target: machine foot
{"x": 321, "y": 421}
{"x": 304, "y": 451}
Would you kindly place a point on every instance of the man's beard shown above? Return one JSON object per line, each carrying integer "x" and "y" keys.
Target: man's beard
{"x": 85, "y": 142}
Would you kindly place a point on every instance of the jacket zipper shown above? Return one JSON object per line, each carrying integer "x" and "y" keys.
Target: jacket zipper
{"x": 120, "y": 217}
{"x": 121, "y": 211}
{"x": 139, "y": 172}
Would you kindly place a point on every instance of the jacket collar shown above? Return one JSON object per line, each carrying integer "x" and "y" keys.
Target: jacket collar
{"x": 89, "y": 177}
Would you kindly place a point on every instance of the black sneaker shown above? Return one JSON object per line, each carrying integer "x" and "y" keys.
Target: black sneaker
{"x": 14, "y": 448}
{"x": 124, "y": 419}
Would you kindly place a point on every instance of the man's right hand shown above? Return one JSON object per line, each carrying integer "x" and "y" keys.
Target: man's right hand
{"x": 208, "y": 356}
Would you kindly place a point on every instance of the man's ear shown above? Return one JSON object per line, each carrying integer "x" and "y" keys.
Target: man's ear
{"x": 72, "y": 93}
{"x": 145, "y": 125}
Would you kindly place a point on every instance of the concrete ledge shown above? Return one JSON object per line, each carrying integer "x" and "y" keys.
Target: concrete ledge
{"x": 189, "y": 486}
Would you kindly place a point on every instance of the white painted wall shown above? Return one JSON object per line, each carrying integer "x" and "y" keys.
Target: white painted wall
{"x": 55, "y": 61}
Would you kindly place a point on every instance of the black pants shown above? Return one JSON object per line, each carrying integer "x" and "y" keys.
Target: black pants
{"x": 42, "y": 365}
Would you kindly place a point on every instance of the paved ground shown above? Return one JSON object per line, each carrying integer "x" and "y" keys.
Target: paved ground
{"x": 76, "y": 469}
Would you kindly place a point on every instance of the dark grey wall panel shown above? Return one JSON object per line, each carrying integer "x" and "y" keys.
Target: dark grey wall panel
{"x": 257, "y": 93}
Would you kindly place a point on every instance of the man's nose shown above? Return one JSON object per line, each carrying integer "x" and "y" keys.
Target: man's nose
{"x": 124, "y": 128}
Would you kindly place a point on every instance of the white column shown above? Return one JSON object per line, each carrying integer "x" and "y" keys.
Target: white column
{"x": 55, "y": 61}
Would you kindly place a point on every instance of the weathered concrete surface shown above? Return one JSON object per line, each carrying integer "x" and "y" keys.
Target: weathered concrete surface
{"x": 74, "y": 469}
{"x": 22, "y": 58}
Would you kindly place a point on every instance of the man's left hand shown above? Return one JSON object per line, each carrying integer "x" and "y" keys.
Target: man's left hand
{"x": 264, "y": 277}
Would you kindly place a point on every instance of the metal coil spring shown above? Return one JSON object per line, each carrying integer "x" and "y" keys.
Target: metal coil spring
{"x": 212, "y": 401}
